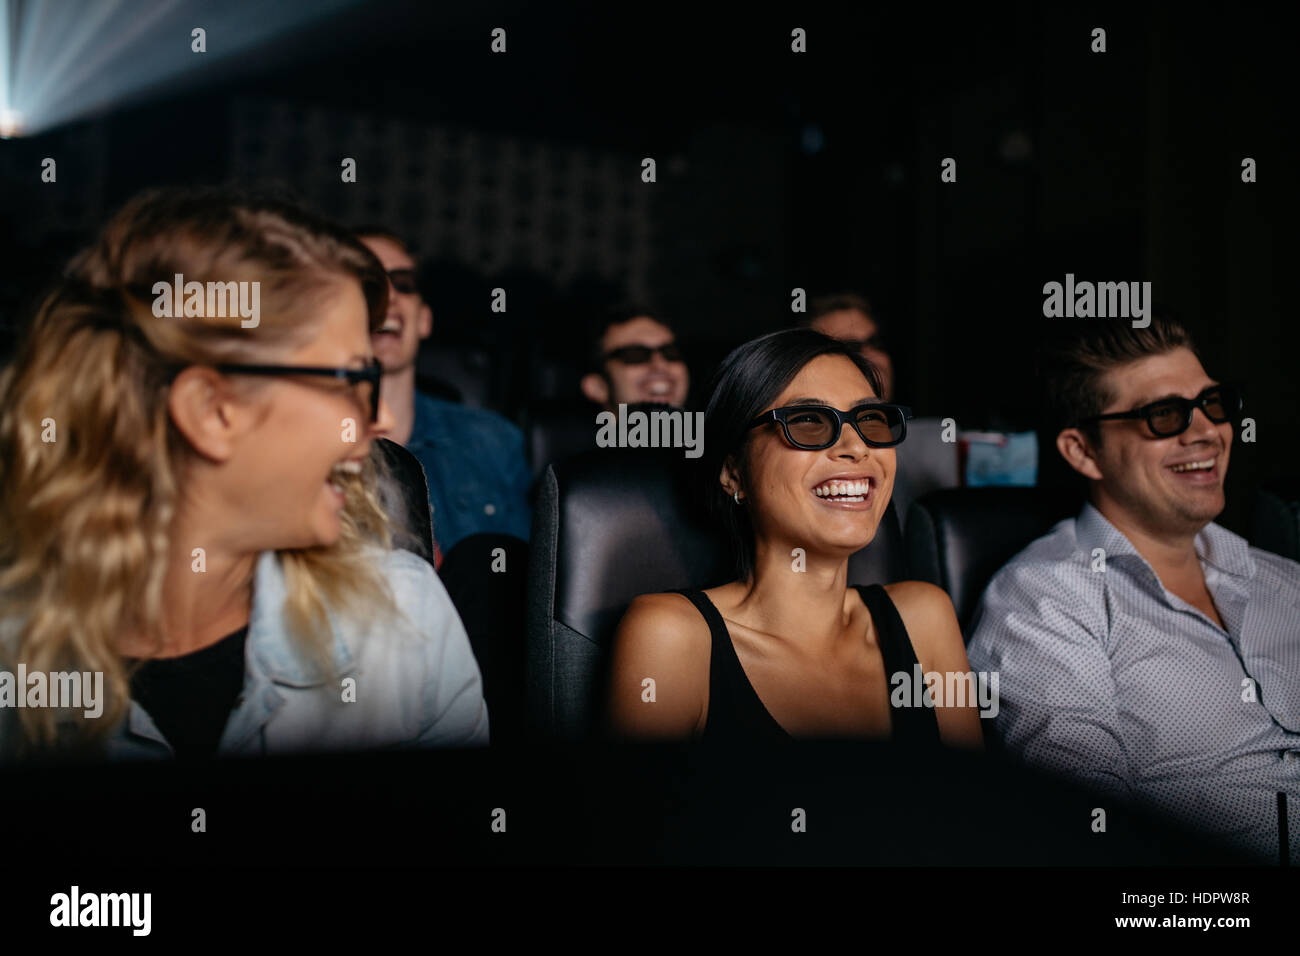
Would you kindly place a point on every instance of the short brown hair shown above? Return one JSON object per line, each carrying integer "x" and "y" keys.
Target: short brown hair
{"x": 383, "y": 232}
{"x": 837, "y": 302}
{"x": 1073, "y": 366}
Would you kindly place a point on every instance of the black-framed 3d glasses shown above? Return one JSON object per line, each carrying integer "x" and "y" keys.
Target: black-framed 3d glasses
{"x": 403, "y": 280}
{"x": 1168, "y": 417}
{"x": 369, "y": 375}
{"x": 814, "y": 427}
{"x": 640, "y": 354}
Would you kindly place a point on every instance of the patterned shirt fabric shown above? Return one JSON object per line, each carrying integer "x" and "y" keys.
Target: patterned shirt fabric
{"x": 475, "y": 466}
{"x": 1107, "y": 677}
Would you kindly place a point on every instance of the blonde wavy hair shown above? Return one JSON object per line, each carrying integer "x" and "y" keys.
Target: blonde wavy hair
{"x": 84, "y": 519}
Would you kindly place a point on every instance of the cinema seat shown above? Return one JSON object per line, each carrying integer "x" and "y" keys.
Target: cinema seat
{"x": 958, "y": 538}
{"x": 609, "y": 525}
{"x": 1275, "y": 524}
{"x": 406, "y": 499}
{"x": 556, "y": 431}
{"x": 485, "y": 576}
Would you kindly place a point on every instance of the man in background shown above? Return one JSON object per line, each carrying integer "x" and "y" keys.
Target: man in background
{"x": 473, "y": 458}
{"x": 634, "y": 358}
{"x": 848, "y": 317}
{"x": 925, "y": 461}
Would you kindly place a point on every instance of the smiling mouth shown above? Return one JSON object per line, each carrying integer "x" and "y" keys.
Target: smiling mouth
{"x": 341, "y": 473}
{"x": 392, "y": 326}
{"x": 1187, "y": 466}
{"x": 1202, "y": 473}
{"x": 855, "y": 490}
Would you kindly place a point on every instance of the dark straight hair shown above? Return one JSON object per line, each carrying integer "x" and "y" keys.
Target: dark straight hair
{"x": 745, "y": 385}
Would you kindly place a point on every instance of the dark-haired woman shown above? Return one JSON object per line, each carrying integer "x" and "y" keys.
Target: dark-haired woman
{"x": 802, "y": 452}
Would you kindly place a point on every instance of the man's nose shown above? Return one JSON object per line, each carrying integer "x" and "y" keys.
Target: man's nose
{"x": 1201, "y": 428}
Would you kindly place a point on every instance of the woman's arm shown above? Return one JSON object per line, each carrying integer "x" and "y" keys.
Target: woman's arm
{"x": 659, "y": 672}
{"x": 932, "y": 625}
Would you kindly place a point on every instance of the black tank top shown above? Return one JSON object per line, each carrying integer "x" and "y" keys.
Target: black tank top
{"x": 190, "y": 698}
{"x": 737, "y": 713}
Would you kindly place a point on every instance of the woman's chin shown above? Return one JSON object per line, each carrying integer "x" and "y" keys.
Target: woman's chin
{"x": 854, "y": 535}
{"x": 328, "y": 533}
{"x": 841, "y": 546}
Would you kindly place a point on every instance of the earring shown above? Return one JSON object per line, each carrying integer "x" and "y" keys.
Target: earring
{"x": 735, "y": 496}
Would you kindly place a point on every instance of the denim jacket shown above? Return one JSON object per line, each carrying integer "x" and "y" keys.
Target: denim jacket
{"x": 413, "y": 687}
{"x": 477, "y": 472}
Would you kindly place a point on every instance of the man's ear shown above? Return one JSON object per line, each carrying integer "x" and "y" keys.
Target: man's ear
{"x": 595, "y": 388}
{"x": 205, "y": 412}
{"x": 1078, "y": 453}
{"x": 424, "y": 321}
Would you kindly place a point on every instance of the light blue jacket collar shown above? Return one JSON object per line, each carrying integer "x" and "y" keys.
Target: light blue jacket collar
{"x": 270, "y": 658}
{"x": 271, "y": 647}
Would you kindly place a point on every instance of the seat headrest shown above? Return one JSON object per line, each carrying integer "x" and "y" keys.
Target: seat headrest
{"x": 958, "y": 538}
{"x": 558, "y": 432}
{"x": 633, "y": 521}
{"x": 630, "y": 522}
{"x": 406, "y": 500}
{"x": 1276, "y": 519}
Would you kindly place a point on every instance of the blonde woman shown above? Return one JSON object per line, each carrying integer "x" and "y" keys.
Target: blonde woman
{"x": 189, "y": 506}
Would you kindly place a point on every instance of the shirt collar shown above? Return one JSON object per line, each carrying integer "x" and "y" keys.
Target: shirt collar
{"x": 269, "y": 641}
{"x": 1092, "y": 530}
{"x": 1215, "y": 545}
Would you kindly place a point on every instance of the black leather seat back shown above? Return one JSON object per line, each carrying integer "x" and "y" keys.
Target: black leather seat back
{"x": 1275, "y": 523}
{"x": 610, "y": 525}
{"x": 556, "y": 432}
{"x": 406, "y": 499}
{"x": 958, "y": 538}
{"x": 485, "y": 576}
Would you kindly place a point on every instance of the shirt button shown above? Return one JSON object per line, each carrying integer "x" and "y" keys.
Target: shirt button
{"x": 1291, "y": 756}
{"x": 489, "y": 509}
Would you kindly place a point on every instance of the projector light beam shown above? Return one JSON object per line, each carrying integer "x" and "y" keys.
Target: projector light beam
{"x": 61, "y": 60}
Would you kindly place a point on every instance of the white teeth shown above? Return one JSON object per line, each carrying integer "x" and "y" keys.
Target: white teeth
{"x": 341, "y": 469}
{"x": 1195, "y": 466}
{"x": 391, "y": 325}
{"x": 849, "y": 490}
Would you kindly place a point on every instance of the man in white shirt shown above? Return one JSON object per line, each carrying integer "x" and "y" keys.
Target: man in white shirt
{"x": 1143, "y": 649}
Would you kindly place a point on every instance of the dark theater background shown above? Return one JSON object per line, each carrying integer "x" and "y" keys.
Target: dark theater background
{"x": 774, "y": 172}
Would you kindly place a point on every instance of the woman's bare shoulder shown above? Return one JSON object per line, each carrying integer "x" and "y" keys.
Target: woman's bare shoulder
{"x": 662, "y": 643}
{"x": 929, "y": 618}
{"x": 667, "y": 615}
{"x": 919, "y": 596}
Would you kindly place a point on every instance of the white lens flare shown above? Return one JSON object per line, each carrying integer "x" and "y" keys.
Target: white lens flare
{"x": 64, "y": 60}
